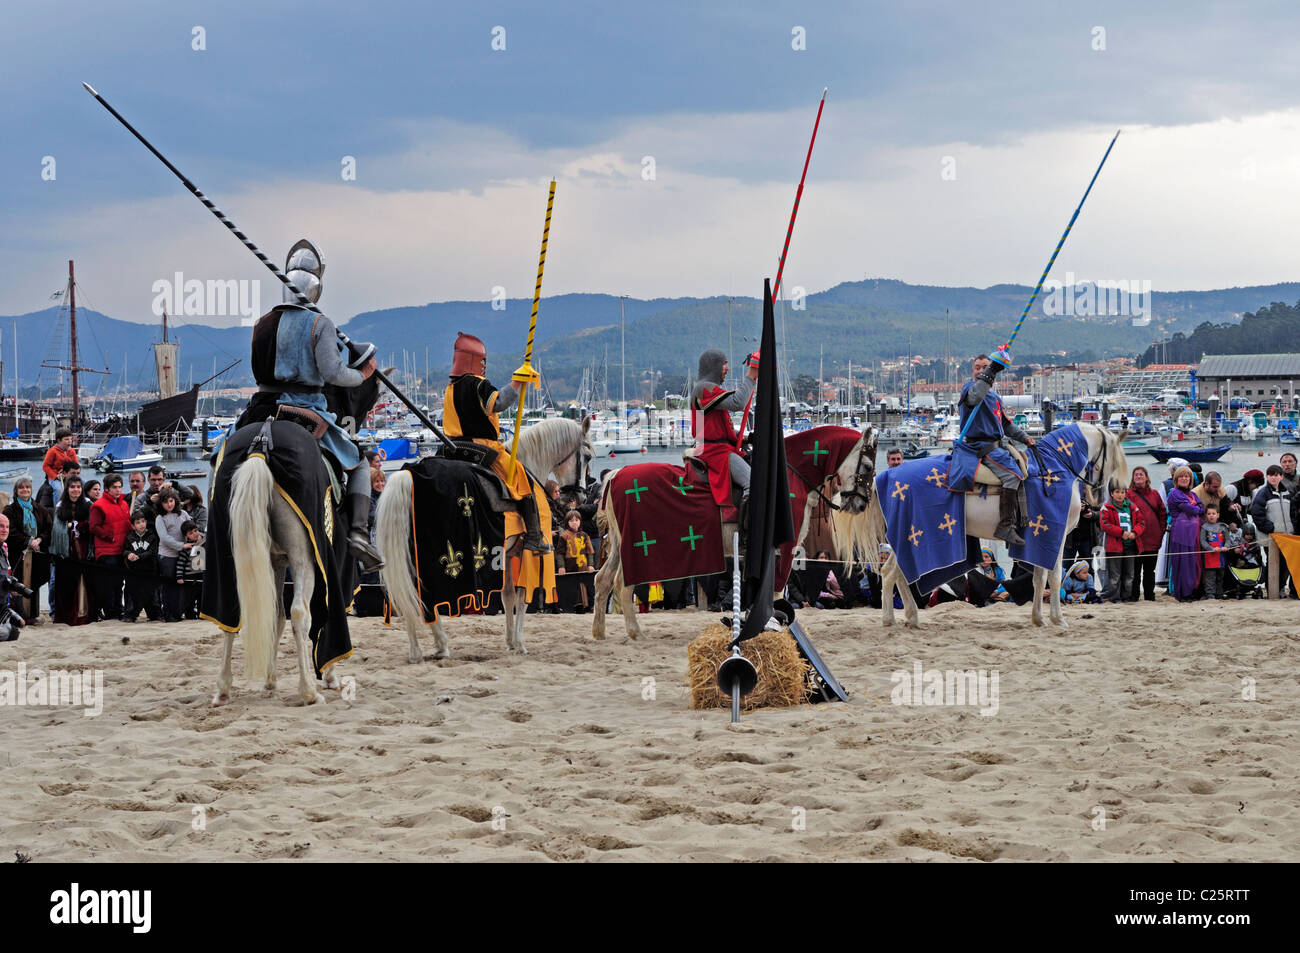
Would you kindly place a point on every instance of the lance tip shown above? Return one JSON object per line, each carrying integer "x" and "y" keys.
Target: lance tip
{"x": 91, "y": 89}
{"x": 825, "y": 90}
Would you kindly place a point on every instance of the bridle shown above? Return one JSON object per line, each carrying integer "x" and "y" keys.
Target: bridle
{"x": 1096, "y": 465}
{"x": 583, "y": 461}
{"x": 862, "y": 481}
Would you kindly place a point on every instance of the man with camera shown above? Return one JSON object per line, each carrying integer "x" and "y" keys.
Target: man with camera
{"x": 10, "y": 621}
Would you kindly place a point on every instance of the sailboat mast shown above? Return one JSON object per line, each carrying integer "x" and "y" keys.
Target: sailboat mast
{"x": 622, "y": 351}
{"x": 72, "y": 312}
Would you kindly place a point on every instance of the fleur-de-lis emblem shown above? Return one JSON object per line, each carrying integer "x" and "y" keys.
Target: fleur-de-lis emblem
{"x": 465, "y": 501}
{"x": 480, "y": 553}
{"x": 452, "y": 562}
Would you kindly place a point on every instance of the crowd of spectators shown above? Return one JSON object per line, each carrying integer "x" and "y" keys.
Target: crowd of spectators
{"x": 105, "y": 554}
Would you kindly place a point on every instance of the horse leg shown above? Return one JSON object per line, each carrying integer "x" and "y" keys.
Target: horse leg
{"x": 521, "y": 612}
{"x": 910, "y": 619}
{"x": 298, "y": 550}
{"x": 1040, "y": 575}
{"x": 1055, "y": 578}
{"x": 605, "y": 580}
{"x": 278, "y": 566}
{"x": 225, "y": 678}
{"x": 888, "y": 578}
{"x": 441, "y": 644}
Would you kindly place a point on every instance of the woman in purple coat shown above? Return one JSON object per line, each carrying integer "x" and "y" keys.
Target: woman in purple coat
{"x": 1185, "y": 512}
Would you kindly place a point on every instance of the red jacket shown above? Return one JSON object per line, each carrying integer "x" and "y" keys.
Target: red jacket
{"x": 1114, "y": 532}
{"x": 1155, "y": 515}
{"x": 110, "y": 523}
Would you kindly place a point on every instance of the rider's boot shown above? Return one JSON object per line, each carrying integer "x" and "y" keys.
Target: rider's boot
{"x": 358, "y": 533}
{"x": 534, "y": 539}
{"x": 1007, "y": 518}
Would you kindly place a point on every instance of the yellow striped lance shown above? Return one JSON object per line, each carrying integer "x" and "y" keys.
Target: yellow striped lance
{"x": 525, "y": 375}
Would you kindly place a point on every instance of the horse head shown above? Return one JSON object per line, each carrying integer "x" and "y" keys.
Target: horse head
{"x": 858, "y": 473}
{"x": 558, "y": 446}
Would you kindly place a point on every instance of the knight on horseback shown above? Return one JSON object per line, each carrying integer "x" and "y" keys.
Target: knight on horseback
{"x": 295, "y": 354}
{"x": 981, "y": 455}
{"x": 716, "y": 438}
{"x": 471, "y": 411}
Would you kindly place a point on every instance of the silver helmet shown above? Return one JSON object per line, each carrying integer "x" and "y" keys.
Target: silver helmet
{"x": 305, "y": 267}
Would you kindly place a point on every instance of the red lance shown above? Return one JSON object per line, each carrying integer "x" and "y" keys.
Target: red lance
{"x": 780, "y": 266}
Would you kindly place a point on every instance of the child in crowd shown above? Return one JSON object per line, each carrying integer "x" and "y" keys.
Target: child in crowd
{"x": 189, "y": 569}
{"x": 577, "y": 550}
{"x": 141, "y": 556}
{"x": 1123, "y": 524}
{"x": 1214, "y": 538}
{"x": 1077, "y": 586}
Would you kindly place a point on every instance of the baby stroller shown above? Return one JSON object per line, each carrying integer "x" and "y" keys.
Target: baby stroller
{"x": 1245, "y": 576}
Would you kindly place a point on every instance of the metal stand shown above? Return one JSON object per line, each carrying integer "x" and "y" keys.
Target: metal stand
{"x": 736, "y": 674}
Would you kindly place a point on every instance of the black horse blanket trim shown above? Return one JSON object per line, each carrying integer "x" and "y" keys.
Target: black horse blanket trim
{"x": 302, "y": 479}
{"x": 458, "y": 539}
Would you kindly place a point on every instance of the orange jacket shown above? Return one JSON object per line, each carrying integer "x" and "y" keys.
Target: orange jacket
{"x": 55, "y": 457}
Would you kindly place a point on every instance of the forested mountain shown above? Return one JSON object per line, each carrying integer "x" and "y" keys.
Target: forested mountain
{"x": 863, "y": 321}
{"x": 1266, "y": 331}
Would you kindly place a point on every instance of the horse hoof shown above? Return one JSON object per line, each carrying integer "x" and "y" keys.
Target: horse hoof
{"x": 440, "y": 654}
{"x": 316, "y": 699}
{"x": 220, "y": 698}
{"x": 598, "y": 636}
{"x": 414, "y": 659}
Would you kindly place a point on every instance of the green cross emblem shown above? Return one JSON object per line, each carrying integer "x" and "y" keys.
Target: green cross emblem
{"x": 637, "y": 490}
{"x": 682, "y": 485}
{"x": 815, "y": 451}
{"x": 691, "y": 536}
{"x": 644, "y": 543}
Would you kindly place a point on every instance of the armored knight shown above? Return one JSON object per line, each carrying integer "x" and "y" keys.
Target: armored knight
{"x": 715, "y": 436}
{"x": 983, "y": 444}
{"x": 296, "y": 352}
{"x": 471, "y": 410}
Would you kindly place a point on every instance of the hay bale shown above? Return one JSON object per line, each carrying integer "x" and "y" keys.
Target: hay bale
{"x": 782, "y": 671}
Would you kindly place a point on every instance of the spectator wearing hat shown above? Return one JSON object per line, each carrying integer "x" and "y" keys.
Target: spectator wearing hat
{"x": 1250, "y": 481}
{"x": 1077, "y": 585}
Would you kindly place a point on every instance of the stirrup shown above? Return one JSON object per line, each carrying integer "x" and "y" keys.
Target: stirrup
{"x": 366, "y": 555}
{"x": 535, "y": 542}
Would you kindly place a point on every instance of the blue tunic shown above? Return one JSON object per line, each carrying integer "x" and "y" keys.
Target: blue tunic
{"x": 982, "y": 443}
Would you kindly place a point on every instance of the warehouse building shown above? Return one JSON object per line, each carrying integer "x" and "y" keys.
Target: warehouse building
{"x": 1260, "y": 378}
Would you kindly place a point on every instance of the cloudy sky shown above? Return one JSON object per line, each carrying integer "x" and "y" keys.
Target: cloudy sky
{"x": 454, "y": 143}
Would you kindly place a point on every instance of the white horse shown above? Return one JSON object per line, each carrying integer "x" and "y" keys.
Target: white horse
{"x": 856, "y": 471}
{"x": 1105, "y": 463}
{"x": 558, "y": 446}
{"x": 270, "y": 539}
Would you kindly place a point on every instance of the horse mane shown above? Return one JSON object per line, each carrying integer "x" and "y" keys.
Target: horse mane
{"x": 547, "y": 442}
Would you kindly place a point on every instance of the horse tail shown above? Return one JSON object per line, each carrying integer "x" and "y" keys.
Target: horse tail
{"x": 393, "y": 535}
{"x": 603, "y": 515}
{"x": 859, "y": 536}
{"x": 251, "y": 488}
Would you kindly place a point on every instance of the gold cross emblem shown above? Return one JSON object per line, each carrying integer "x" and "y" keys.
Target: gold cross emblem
{"x": 1038, "y": 524}
{"x": 948, "y": 523}
{"x": 898, "y": 490}
{"x": 1049, "y": 478}
{"x": 915, "y": 536}
{"x": 452, "y": 562}
{"x": 1063, "y": 446}
{"x": 936, "y": 477}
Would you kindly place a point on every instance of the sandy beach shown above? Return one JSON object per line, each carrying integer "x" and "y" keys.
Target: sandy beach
{"x": 1134, "y": 717}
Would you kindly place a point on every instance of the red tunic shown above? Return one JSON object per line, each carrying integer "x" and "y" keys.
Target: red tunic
{"x": 717, "y": 441}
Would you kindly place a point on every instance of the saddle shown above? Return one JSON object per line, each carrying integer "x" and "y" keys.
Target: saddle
{"x": 313, "y": 421}
{"x": 730, "y": 514}
{"x": 987, "y": 477}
